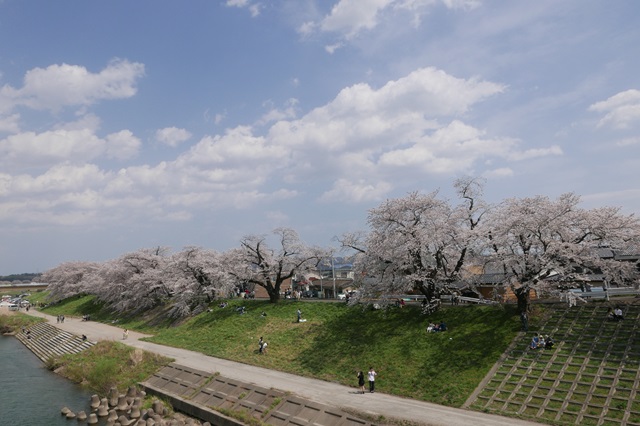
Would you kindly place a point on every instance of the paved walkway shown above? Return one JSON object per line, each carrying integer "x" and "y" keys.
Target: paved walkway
{"x": 377, "y": 404}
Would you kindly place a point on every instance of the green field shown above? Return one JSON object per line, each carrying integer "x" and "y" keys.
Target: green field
{"x": 338, "y": 340}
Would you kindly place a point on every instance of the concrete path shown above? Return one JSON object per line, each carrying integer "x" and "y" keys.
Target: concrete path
{"x": 332, "y": 394}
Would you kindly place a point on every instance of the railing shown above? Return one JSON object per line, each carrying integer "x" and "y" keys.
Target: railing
{"x": 606, "y": 293}
{"x": 444, "y": 297}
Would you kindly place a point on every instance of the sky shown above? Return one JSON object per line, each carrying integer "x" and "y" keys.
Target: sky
{"x": 136, "y": 124}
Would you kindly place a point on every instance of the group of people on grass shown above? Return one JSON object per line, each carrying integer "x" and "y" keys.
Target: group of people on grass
{"x": 435, "y": 328}
{"x": 615, "y": 314}
{"x": 541, "y": 342}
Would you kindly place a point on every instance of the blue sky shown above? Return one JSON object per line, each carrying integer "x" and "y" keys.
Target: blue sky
{"x": 131, "y": 124}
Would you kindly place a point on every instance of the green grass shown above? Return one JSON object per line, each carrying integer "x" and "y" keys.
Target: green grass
{"x": 338, "y": 340}
{"x": 13, "y": 323}
{"x": 109, "y": 364}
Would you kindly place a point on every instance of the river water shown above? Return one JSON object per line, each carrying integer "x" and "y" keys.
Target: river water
{"x": 31, "y": 395}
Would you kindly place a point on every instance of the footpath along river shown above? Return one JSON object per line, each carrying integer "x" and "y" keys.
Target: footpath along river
{"x": 31, "y": 395}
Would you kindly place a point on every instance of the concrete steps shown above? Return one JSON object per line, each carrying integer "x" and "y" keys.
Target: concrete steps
{"x": 591, "y": 375}
{"x": 47, "y": 341}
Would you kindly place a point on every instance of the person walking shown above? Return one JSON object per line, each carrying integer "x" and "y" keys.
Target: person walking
{"x": 361, "y": 381}
{"x": 125, "y": 334}
{"x": 372, "y": 379}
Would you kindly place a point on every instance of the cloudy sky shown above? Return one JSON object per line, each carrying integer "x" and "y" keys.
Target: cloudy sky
{"x": 130, "y": 124}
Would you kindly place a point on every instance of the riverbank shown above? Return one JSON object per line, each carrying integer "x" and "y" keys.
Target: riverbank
{"x": 10, "y": 321}
{"x": 31, "y": 394}
{"x": 377, "y": 405}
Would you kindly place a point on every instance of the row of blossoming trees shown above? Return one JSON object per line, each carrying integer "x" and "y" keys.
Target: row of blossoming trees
{"x": 421, "y": 242}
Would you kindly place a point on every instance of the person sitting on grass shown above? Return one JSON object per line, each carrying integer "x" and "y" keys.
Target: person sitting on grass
{"x": 535, "y": 342}
{"x": 540, "y": 341}
{"x": 617, "y": 314}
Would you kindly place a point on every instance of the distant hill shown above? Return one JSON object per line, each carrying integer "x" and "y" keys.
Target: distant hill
{"x": 19, "y": 277}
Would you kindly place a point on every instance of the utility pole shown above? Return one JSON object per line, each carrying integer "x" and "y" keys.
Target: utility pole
{"x": 333, "y": 274}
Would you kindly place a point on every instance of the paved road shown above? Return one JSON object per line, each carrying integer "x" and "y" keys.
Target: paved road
{"x": 316, "y": 390}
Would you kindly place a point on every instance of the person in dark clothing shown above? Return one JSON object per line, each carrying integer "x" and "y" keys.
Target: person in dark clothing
{"x": 548, "y": 342}
{"x": 361, "y": 381}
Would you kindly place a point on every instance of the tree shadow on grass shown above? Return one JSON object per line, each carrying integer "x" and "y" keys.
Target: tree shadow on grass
{"x": 441, "y": 367}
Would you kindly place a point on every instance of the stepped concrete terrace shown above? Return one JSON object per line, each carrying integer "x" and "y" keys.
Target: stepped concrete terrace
{"x": 590, "y": 377}
{"x": 198, "y": 393}
{"x": 47, "y": 341}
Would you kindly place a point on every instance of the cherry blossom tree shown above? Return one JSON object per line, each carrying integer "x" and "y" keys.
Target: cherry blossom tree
{"x": 134, "y": 282}
{"x": 198, "y": 277}
{"x": 69, "y": 279}
{"x": 418, "y": 242}
{"x": 534, "y": 239}
{"x": 257, "y": 263}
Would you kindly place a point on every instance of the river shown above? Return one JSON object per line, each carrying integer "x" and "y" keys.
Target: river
{"x": 31, "y": 395}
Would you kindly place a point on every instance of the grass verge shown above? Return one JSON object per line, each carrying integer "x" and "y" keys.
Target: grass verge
{"x": 107, "y": 365}
{"x": 338, "y": 340}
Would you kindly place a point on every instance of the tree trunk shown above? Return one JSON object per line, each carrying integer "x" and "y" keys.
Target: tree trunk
{"x": 430, "y": 291}
{"x": 273, "y": 292}
{"x": 523, "y": 298}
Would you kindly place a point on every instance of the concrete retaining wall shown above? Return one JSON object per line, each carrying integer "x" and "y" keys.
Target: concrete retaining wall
{"x": 199, "y": 390}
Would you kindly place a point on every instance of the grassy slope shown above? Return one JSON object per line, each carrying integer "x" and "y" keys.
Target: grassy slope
{"x": 337, "y": 340}
{"x": 109, "y": 364}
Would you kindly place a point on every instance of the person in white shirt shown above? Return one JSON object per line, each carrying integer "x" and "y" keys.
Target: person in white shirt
{"x": 372, "y": 379}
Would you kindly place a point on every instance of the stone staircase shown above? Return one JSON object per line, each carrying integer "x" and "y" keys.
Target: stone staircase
{"x": 590, "y": 377}
{"x": 47, "y": 341}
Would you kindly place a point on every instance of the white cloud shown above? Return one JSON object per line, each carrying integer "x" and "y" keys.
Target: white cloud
{"x": 534, "y": 153}
{"x": 460, "y": 4}
{"x": 172, "y": 136}
{"x": 413, "y": 125}
{"x": 350, "y": 18}
{"x": 400, "y": 111}
{"x": 50, "y": 147}
{"x": 621, "y": 110}
{"x": 499, "y": 173}
{"x": 88, "y": 122}
{"x": 238, "y": 147}
{"x": 10, "y": 124}
{"x": 253, "y": 7}
{"x": 331, "y": 48}
{"x": 345, "y": 191}
{"x": 276, "y": 114}
{"x": 58, "y": 86}
{"x": 629, "y": 141}
{"x": 612, "y": 198}
{"x": 451, "y": 149}
{"x": 122, "y": 145}
{"x": 70, "y": 143}
{"x": 59, "y": 179}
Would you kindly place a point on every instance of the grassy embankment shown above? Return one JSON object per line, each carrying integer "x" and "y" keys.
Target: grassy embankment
{"x": 337, "y": 340}
{"x": 12, "y": 322}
